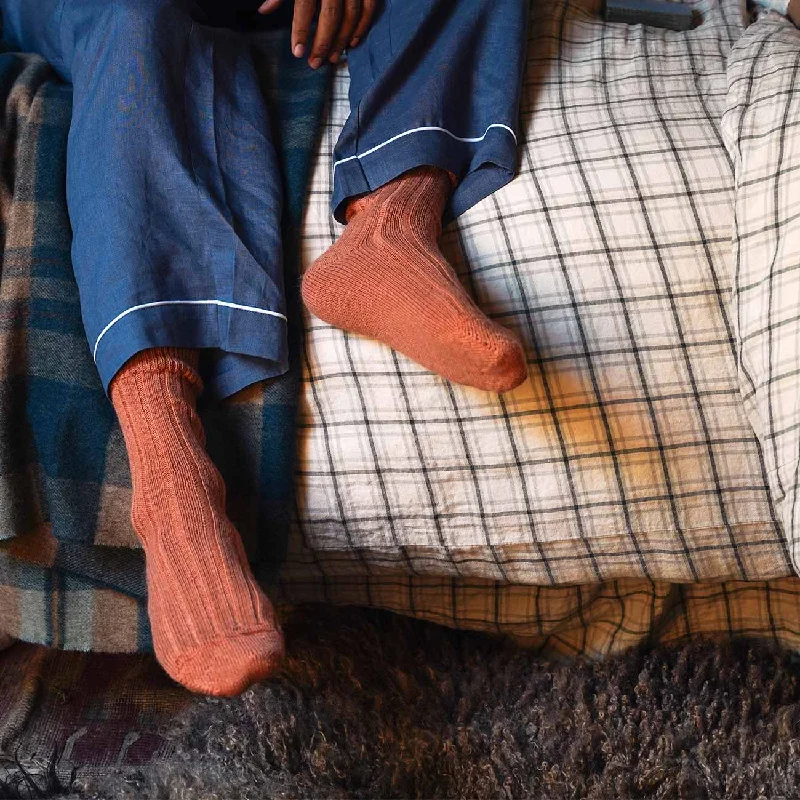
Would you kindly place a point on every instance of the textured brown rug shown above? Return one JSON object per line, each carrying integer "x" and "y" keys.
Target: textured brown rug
{"x": 376, "y": 706}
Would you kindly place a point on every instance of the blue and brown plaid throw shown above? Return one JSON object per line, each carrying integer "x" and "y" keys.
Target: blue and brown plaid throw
{"x": 70, "y": 574}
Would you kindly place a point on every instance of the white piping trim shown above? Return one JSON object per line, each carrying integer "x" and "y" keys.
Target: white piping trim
{"x": 427, "y": 128}
{"x": 181, "y": 302}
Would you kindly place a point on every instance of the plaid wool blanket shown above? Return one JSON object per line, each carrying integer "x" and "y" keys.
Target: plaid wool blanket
{"x": 71, "y": 572}
{"x": 641, "y": 485}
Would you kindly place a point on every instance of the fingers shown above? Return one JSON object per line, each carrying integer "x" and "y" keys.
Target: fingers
{"x": 350, "y": 18}
{"x": 341, "y": 24}
{"x": 329, "y": 16}
{"x": 301, "y": 25}
{"x": 367, "y": 10}
{"x": 269, "y": 6}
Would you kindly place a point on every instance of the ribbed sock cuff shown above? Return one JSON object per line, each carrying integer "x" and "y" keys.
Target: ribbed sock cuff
{"x": 163, "y": 360}
{"x": 358, "y": 204}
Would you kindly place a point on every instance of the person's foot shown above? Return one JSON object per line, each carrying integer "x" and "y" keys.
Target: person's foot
{"x": 386, "y": 279}
{"x": 214, "y": 630}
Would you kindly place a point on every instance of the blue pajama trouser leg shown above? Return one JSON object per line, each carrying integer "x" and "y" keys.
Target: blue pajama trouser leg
{"x": 173, "y": 186}
{"x": 172, "y": 180}
{"x": 438, "y": 83}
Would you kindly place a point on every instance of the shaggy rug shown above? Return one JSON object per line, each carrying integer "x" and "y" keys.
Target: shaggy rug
{"x": 377, "y": 706}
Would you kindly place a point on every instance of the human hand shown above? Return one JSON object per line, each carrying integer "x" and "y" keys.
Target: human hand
{"x": 342, "y": 23}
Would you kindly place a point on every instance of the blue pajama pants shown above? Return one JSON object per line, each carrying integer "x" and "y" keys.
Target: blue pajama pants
{"x": 172, "y": 180}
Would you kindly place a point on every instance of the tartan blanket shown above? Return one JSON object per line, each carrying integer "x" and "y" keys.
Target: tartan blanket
{"x": 71, "y": 571}
{"x": 639, "y": 485}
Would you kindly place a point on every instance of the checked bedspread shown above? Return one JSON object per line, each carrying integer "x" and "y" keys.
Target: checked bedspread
{"x": 629, "y": 454}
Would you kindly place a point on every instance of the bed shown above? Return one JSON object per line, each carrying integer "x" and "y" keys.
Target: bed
{"x": 642, "y": 483}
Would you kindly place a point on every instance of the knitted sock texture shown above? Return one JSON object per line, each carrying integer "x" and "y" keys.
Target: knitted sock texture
{"x": 214, "y": 630}
{"x": 385, "y": 278}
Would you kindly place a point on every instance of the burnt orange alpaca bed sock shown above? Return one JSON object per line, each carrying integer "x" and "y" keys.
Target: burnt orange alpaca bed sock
{"x": 214, "y": 630}
{"x": 386, "y": 278}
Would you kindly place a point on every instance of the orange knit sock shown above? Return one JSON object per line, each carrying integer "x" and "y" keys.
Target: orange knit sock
{"x": 214, "y": 631}
{"x": 386, "y": 278}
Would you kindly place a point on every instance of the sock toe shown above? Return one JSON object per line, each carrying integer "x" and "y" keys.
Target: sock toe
{"x": 513, "y": 374}
{"x": 227, "y": 667}
{"x": 506, "y": 369}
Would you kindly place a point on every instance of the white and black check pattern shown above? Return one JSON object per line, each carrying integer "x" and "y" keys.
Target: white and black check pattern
{"x": 762, "y": 128}
{"x": 628, "y": 454}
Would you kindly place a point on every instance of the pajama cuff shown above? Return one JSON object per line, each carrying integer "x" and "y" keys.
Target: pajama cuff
{"x": 482, "y": 165}
{"x": 253, "y": 340}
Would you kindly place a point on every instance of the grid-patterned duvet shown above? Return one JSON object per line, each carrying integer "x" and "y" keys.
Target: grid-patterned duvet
{"x": 762, "y": 126}
{"x": 629, "y": 453}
